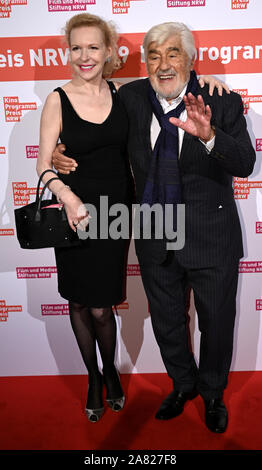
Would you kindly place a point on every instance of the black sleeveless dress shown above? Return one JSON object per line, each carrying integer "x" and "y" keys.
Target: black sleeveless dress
{"x": 93, "y": 274}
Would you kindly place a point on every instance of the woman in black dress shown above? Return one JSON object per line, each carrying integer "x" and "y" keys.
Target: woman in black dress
{"x": 90, "y": 120}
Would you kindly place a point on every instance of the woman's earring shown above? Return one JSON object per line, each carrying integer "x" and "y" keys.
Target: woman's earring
{"x": 108, "y": 59}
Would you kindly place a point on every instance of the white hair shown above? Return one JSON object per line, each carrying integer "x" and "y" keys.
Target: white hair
{"x": 161, "y": 32}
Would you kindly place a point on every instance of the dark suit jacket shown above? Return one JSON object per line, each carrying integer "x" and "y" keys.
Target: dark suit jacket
{"x": 213, "y": 233}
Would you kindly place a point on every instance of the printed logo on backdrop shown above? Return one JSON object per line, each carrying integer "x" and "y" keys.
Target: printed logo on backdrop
{"x": 185, "y": 3}
{"x": 228, "y": 51}
{"x": 21, "y": 193}
{"x": 7, "y": 232}
{"x": 123, "y": 306}
{"x": 62, "y": 309}
{"x": 46, "y": 271}
{"x": 239, "y": 4}
{"x": 31, "y": 151}
{"x": 250, "y": 267}
{"x": 6, "y": 7}
{"x": 258, "y": 145}
{"x": 242, "y": 187}
{"x": 247, "y": 99}
{"x": 133, "y": 270}
{"x": 13, "y": 108}
{"x": 259, "y": 227}
{"x": 46, "y": 58}
{"x": 35, "y": 272}
{"x": 69, "y": 5}
{"x": 120, "y": 7}
{"x": 2, "y": 151}
{"x": 54, "y": 309}
{"x": 258, "y": 304}
{"x": 5, "y": 309}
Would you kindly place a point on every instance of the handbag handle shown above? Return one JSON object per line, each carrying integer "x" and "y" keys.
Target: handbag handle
{"x": 39, "y": 198}
{"x": 39, "y": 182}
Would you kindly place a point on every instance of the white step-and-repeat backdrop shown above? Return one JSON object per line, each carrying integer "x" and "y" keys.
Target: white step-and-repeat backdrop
{"x": 35, "y": 332}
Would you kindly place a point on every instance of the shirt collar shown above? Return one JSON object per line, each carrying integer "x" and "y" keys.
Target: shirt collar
{"x": 174, "y": 103}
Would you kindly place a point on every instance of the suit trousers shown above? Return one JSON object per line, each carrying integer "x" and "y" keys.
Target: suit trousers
{"x": 167, "y": 286}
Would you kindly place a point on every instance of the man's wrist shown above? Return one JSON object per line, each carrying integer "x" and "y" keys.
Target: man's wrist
{"x": 211, "y": 135}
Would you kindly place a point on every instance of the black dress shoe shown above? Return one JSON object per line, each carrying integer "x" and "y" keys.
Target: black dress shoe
{"x": 216, "y": 415}
{"x": 173, "y": 404}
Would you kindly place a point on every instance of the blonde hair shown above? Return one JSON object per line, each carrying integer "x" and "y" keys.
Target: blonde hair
{"x": 109, "y": 33}
{"x": 161, "y": 32}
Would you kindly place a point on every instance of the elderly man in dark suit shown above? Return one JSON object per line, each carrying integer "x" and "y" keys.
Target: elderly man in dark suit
{"x": 184, "y": 147}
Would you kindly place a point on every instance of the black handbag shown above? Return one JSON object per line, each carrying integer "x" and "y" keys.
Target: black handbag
{"x": 43, "y": 223}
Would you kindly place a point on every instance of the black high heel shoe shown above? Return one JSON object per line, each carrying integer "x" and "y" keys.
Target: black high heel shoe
{"x": 116, "y": 404}
{"x": 94, "y": 414}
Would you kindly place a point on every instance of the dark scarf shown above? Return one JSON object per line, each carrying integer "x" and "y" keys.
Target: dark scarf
{"x": 163, "y": 184}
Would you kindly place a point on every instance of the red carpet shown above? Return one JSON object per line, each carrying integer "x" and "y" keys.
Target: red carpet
{"x": 46, "y": 413}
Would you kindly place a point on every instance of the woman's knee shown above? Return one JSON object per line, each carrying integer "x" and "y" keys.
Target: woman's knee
{"x": 102, "y": 315}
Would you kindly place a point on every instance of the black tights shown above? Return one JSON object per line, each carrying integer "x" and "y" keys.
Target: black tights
{"x": 91, "y": 325}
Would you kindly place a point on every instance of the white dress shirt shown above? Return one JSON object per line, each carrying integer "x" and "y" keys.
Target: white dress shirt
{"x": 155, "y": 127}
